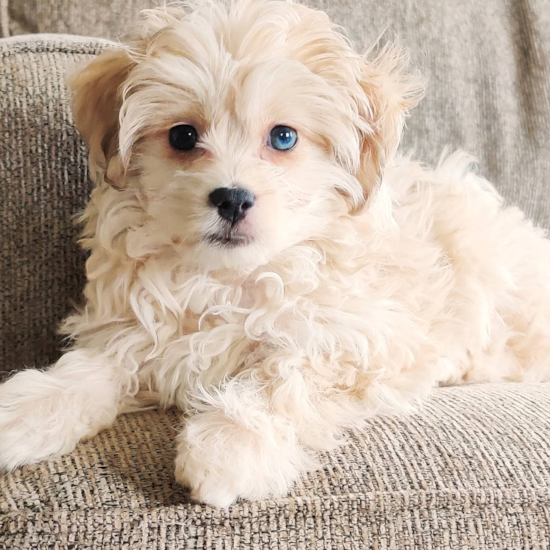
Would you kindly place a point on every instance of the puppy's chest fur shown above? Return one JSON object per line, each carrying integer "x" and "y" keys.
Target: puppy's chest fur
{"x": 407, "y": 287}
{"x": 328, "y": 311}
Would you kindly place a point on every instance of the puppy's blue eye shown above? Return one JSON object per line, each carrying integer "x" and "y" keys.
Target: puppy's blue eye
{"x": 282, "y": 138}
{"x": 183, "y": 137}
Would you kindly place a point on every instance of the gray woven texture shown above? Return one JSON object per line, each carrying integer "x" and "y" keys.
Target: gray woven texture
{"x": 470, "y": 471}
{"x": 43, "y": 183}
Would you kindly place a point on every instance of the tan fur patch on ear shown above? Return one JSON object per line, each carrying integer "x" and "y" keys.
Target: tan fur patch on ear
{"x": 96, "y": 105}
{"x": 390, "y": 92}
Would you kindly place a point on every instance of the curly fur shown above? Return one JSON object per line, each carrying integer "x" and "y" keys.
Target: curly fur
{"x": 368, "y": 279}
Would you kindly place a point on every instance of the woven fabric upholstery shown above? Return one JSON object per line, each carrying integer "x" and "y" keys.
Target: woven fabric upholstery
{"x": 488, "y": 63}
{"x": 43, "y": 183}
{"x": 471, "y": 471}
{"x": 104, "y": 18}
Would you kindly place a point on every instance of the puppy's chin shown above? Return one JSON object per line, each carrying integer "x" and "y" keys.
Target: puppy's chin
{"x": 240, "y": 255}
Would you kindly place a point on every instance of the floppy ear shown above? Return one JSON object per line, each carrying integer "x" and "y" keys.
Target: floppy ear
{"x": 389, "y": 92}
{"x": 96, "y": 105}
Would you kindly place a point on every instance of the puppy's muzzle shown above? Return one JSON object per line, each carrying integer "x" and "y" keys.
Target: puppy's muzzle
{"x": 232, "y": 203}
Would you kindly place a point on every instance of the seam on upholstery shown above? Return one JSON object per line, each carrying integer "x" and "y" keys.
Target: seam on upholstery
{"x": 53, "y": 43}
{"x": 388, "y": 501}
{"x": 4, "y": 19}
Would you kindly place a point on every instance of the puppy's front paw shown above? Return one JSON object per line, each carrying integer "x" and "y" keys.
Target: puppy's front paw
{"x": 42, "y": 416}
{"x": 221, "y": 461}
{"x": 19, "y": 442}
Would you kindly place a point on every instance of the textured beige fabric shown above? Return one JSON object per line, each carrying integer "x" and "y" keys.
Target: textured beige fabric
{"x": 4, "y": 19}
{"x": 104, "y": 18}
{"x": 488, "y": 63}
{"x": 43, "y": 183}
{"x": 470, "y": 471}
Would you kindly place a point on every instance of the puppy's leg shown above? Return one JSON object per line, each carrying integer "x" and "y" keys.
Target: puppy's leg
{"x": 235, "y": 446}
{"x": 47, "y": 413}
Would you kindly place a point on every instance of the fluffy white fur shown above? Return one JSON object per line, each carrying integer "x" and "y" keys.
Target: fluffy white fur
{"x": 367, "y": 281}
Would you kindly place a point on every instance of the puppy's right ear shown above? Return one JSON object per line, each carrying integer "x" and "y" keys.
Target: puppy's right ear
{"x": 389, "y": 92}
{"x": 96, "y": 106}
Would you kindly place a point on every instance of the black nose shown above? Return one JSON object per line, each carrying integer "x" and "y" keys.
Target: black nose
{"x": 232, "y": 204}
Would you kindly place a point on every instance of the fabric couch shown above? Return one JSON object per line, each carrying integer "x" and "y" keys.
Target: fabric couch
{"x": 470, "y": 470}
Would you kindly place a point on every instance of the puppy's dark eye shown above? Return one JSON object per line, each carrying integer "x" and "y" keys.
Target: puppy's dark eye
{"x": 283, "y": 138}
{"x": 183, "y": 137}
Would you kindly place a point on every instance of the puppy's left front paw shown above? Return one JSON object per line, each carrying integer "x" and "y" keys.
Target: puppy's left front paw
{"x": 221, "y": 461}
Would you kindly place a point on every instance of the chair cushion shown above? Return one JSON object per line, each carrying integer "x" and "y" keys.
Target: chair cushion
{"x": 470, "y": 470}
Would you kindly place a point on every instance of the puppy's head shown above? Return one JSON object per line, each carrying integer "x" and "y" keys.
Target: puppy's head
{"x": 245, "y": 127}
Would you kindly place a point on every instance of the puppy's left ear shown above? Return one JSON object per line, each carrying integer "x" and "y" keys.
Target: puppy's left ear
{"x": 96, "y": 105}
{"x": 388, "y": 94}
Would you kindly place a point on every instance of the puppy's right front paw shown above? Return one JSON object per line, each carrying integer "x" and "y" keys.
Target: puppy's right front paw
{"x": 31, "y": 427}
{"x": 17, "y": 444}
{"x": 15, "y": 449}
{"x": 20, "y": 441}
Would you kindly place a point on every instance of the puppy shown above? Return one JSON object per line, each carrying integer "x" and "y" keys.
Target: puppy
{"x": 262, "y": 258}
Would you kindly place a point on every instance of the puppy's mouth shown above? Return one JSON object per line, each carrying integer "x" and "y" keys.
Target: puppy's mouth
{"x": 229, "y": 239}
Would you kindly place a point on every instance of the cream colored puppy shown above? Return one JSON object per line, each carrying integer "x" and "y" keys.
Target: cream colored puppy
{"x": 262, "y": 259}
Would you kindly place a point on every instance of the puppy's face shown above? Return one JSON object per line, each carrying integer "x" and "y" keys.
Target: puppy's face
{"x": 244, "y": 129}
{"x": 238, "y": 160}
